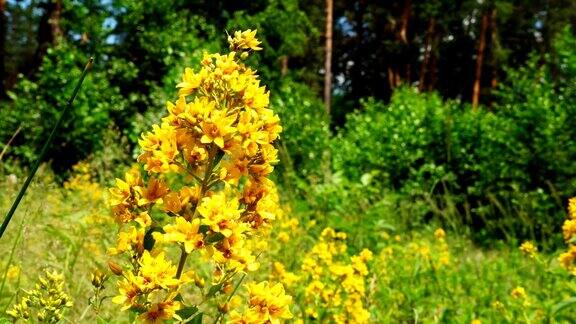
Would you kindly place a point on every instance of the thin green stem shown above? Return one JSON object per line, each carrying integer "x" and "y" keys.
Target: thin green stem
{"x": 44, "y": 150}
{"x": 231, "y": 295}
{"x": 181, "y": 263}
{"x": 207, "y": 174}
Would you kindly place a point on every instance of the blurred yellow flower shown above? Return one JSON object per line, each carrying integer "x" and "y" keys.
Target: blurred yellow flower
{"x": 13, "y": 272}
{"x": 518, "y": 292}
{"x": 440, "y": 234}
{"x": 529, "y": 249}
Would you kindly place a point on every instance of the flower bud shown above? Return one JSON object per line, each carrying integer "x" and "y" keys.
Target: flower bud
{"x": 199, "y": 281}
{"x": 223, "y": 308}
{"x": 115, "y": 268}
{"x": 227, "y": 287}
{"x": 98, "y": 278}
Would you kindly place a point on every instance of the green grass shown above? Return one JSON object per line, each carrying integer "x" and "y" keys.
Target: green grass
{"x": 69, "y": 230}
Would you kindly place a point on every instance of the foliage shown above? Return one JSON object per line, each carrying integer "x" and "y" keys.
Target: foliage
{"x": 36, "y": 104}
{"x": 366, "y": 192}
{"x": 305, "y": 137}
{"x": 287, "y": 34}
{"x": 505, "y": 172}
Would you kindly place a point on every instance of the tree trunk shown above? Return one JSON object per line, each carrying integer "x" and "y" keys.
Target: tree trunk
{"x": 495, "y": 41}
{"x": 283, "y": 65}
{"x": 49, "y": 31}
{"x": 401, "y": 66}
{"x": 404, "y": 20}
{"x": 3, "y": 30}
{"x": 480, "y": 59}
{"x": 432, "y": 70}
{"x": 424, "y": 68}
{"x": 328, "y": 58}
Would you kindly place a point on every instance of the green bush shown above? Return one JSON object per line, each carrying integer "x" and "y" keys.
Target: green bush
{"x": 503, "y": 173}
{"x": 36, "y": 104}
{"x": 305, "y": 138}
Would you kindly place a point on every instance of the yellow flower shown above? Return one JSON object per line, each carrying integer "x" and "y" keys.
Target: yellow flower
{"x": 529, "y": 249}
{"x": 569, "y": 229}
{"x": 440, "y": 234}
{"x": 47, "y": 297}
{"x": 184, "y": 232}
{"x": 283, "y": 237}
{"x": 248, "y": 317}
{"x": 97, "y": 278}
{"x": 13, "y": 272}
{"x": 219, "y": 213}
{"x": 217, "y": 128}
{"x": 286, "y": 277}
{"x": 518, "y": 293}
{"x": 207, "y": 164}
{"x": 129, "y": 290}
{"x": 160, "y": 312}
{"x": 256, "y": 97}
{"x": 157, "y": 271}
{"x": 572, "y": 208}
{"x": 567, "y": 258}
{"x": 160, "y": 149}
{"x": 190, "y": 82}
{"x": 131, "y": 240}
{"x": 244, "y": 40}
{"x": 366, "y": 255}
{"x": 153, "y": 193}
{"x": 269, "y": 302}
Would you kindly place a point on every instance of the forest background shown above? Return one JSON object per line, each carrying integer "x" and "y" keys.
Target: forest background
{"x": 399, "y": 117}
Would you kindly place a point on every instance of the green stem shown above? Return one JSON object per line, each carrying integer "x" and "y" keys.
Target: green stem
{"x": 231, "y": 295}
{"x": 207, "y": 174}
{"x": 181, "y": 263}
{"x": 44, "y": 150}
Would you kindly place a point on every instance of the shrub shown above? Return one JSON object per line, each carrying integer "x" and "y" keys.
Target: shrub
{"x": 304, "y": 144}
{"x": 504, "y": 173}
{"x": 37, "y": 102}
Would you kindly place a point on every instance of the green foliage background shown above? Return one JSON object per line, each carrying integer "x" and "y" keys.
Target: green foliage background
{"x": 388, "y": 156}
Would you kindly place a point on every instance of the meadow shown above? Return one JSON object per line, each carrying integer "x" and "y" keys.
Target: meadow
{"x": 423, "y": 275}
{"x": 288, "y": 161}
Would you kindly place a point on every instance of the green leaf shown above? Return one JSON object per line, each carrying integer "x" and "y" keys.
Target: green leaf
{"x": 218, "y": 157}
{"x": 203, "y": 229}
{"x": 214, "y": 290}
{"x": 214, "y": 237}
{"x": 186, "y": 312}
{"x": 149, "y": 239}
{"x": 563, "y": 304}
{"x": 12, "y": 96}
{"x": 196, "y": 319}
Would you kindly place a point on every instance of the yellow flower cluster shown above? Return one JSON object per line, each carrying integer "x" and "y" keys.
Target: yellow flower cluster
{"x": 83, "y": 182}
{"x": 205, "y": 188}
{"x": 519, "y": 295}
{"x": 266, "y": 304}
{"x": 48, "y": 299}
{"x": 435, "y": 254}
{"x": 335, "y": 287}
{"x": 568, "y": 258}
